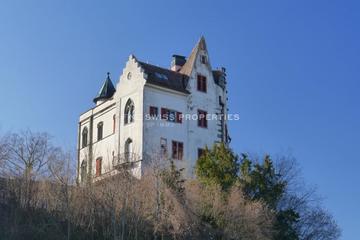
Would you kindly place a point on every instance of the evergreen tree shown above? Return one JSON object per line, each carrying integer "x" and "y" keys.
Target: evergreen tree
{"x": 262, "y": 182}
{"x": 218, "y": 165}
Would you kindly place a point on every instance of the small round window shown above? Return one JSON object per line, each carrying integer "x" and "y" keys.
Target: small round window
{"x": 129, "y": 76}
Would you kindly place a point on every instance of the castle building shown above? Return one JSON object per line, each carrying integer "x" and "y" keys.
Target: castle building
{"x": 154, "y": 112}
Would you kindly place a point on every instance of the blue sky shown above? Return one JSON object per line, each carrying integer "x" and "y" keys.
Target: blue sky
{"x": 293, "y": 73}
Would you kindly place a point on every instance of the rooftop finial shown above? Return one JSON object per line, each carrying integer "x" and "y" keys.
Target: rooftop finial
{"x": 108, "y": 75}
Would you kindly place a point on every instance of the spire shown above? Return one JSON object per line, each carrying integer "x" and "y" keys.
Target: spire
{"x": 106, "y": 91}
{"x": 188, "y": 66}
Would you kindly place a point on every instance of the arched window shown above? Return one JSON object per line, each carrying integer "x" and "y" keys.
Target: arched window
{"x": 83, "y": 171}
{"x": 100, "y": 131}
{"x": 129, "y": 112}
{"x": 84, "y": 137}
{"x": 128, "y": 149}
{"x": 114, "y": 123}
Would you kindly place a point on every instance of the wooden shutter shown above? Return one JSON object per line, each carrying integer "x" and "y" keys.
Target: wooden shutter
{"x": 153, "y": 111}
{"x": 204, "y": 84}
{"x": 179, "y": 117}
{"x": 180, "y": 150}
{"x": 98, "y": 167}
{"x": 164, "y": 113}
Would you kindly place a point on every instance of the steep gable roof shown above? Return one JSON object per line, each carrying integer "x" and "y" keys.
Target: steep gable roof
{"x": 189, "y": 65}
{"x": 165, "y": 78}
{"x": 107, "y": 90}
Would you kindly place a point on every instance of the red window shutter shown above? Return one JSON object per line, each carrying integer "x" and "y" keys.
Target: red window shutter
{"x": 199, "y": 118}
{"x": 163, "y": 113}
{"x": 179, "y": 117}
{"x": 180, "y": 150}
{"x": 204, "y": 84}
{"x": 174, "y": 149}
{"x": 153, "y": 111}
{"x": 202, "y": 121}
{"x": 199, "y": 82}
{"x": 98, "y": 167}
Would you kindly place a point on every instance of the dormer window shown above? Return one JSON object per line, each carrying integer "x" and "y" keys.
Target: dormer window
{"x": 100, "y": 131}
{"x": 201, "y": 83}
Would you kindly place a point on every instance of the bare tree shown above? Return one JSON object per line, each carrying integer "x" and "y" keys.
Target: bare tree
{"x": 314, "y": 222}
{"x": 63, "y": 173}
{"x": 27, "y": 154}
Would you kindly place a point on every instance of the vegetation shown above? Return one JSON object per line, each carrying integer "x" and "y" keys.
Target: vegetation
{"x": 230, "y": 198}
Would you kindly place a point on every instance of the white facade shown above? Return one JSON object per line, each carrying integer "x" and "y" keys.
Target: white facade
{"x": 142, "y": 139}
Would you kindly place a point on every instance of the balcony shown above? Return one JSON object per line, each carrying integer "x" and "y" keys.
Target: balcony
{"x": 127, "y": 160}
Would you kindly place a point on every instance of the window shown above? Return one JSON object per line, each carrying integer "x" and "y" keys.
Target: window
{"x": 98, "y": 166}
{"x": 203, "y": 59}
{"x": 128, "y": 150}
{"x": 171, "y": 115}
{"x": 129, "y": 76}
{"x": 201, "y": 83}
{"x": 83, "y": 171}
{"x": 84, "y": 137}
{"x": 202, "y": 121}
{"x": 179, "y": 117}
{"x": 129, "y": 112}
{"x": 201, "y": 151}
{"x": 100, "y": 131}
{"x": 153, "y": 111}
{"x": 177, "y": 150}
{"x": 163, "y": 147}
{"x": 114, "y": 123}
{"x": 161, "y": 76}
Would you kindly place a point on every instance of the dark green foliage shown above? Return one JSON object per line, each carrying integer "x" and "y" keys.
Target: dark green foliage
{"x": 218, "y": 165}
{"x": 284, "y": 225}
{"x": 260, "y": 181}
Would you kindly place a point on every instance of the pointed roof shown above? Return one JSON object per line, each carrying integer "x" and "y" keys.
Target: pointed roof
{"x": 188, "y": 66}
{"x": 107, "y": 90}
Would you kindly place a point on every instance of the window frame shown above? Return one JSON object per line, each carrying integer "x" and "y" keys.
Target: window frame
{"x": 84, "y": 137}
{"x": 177, "y": 150}
{"x": 100, "y": 131}
{"x": 203, "y": 59}
{"x": 201, "y": 83}
{"x": 165, "y": 115}
{"x": 202, "y": 121}
{"x": 83, "y": 171}
{"x": 129, "y": 112}
{"x": 128, "y": 149}
{"x": 98, "y": 168}
{"x": 153, "y": 111}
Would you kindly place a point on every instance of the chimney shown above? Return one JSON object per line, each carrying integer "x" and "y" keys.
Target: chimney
{"x": 177, "y": 62}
